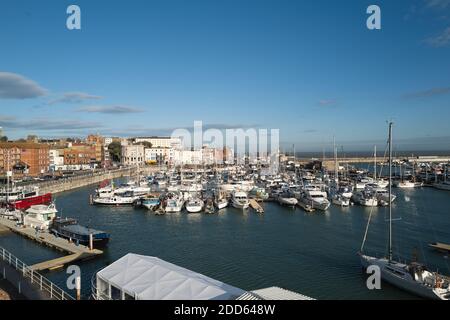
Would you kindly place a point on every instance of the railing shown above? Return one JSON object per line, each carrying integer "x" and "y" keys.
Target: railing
{"x": 96, "y": 294}
{"x": 34, "y": 277}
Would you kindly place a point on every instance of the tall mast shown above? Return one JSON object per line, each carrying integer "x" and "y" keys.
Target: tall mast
{"x": 336, "y": 174}
{"x": 375, "y": 163}
{"x": 390, "y": 191}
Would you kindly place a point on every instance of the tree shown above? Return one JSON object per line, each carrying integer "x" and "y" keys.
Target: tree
{"x": 4, "y": 139}
{"x": 114, "y": 149}
{"x": 146, "y": 144}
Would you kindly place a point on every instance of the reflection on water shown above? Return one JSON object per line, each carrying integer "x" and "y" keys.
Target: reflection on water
{"x": 312, "y": 253}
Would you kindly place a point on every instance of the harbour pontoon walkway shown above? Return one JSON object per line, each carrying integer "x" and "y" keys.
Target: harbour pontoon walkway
{"x": 76, "y": 252}
{"x": 440, "y": 246}
{"x": 256, "y": 206}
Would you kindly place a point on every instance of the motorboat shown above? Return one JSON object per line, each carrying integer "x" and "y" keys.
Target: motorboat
{"x": 40, "y": 216}
{"x": 126, "y": 198}
{"x": 340, "y": 200}
{"x": 173, "y": 202}
{"x": 194, "y": 205}
{"x": 287, "y": 199}
{"x": 316, "y": 197}
{"x": 365, "y": 198}
{"x": 259, "y": 194}
{"x": 151, "y": 202}
{"x": 239, "y": 200}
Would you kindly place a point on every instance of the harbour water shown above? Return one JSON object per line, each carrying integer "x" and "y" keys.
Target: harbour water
{"x": 313, "y": 254}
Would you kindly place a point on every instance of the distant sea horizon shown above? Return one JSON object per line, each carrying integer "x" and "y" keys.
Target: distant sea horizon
{"x": 355, "y": 154}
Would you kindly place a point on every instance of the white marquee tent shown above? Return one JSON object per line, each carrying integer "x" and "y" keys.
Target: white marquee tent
{"x": 149, "y": 278}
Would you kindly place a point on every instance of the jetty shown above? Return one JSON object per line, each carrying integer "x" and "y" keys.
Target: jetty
{"x": 440, "y": 246}
{"x": 256, "y": 206}
{"x": 75, "y": 251}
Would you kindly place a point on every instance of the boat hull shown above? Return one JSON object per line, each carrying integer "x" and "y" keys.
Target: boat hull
{"x": 396, "y": 280}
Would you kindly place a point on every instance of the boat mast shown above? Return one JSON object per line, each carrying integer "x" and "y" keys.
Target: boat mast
{"x": 375, "y": 163}
{"x": 336, "y": 169}
{"x": 390, "y": 191}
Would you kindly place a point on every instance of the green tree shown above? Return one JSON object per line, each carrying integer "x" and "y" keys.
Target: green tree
{"x": 4, "y": 139}
{"x": 146, "y": 144}
{"x": 114, "y": 149}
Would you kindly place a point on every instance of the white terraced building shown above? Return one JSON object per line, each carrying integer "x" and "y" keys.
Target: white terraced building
{"x": 161, "y": 142}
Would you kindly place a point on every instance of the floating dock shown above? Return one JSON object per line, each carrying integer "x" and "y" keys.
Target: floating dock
{"x": 440, "y": 246}
{"x": 76, "y": 252}
{"x": 256, "y": 206}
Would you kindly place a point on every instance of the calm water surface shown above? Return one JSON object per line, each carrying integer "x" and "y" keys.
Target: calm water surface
{"x": 314, "y": 254}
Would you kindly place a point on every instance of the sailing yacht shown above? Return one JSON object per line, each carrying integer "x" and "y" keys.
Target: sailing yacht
{"x": 220, "y": 201}
{"x": 413, "y": 277}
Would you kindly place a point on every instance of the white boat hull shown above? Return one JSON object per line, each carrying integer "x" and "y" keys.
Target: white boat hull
{"x": 404, "y": 282}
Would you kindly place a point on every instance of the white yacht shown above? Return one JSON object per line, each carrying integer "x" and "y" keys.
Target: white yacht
{"x": 18, "y": 193}
{"x": 194, "y": 205}
{"x": 381, "y": 194}
{"x": 340, "y": 200}
{"x": 239, "y": 200}
{"x": 40, "y": 216}
{"x": 407, "y": 184}
{"x": 220, "y": 201}
{"x": 126, "y": 198}
{"x": 413, "y": 277}
{"x": 365, "y": 198}
{"x": 110, "y": 190}
{"x": 316, "y": 197}
{"x": 174, "y": 203}
{"x": 287, "y": 199}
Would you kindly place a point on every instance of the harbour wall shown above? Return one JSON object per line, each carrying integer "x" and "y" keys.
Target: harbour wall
{"x": 95, "y": 177}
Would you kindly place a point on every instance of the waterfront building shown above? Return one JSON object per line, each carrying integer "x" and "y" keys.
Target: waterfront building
{"x": 182, "y": 157}
{"x": 97, "y": 142}
{"x": 159, "y": 155}
{"x": 132, "y": 155}
{"x": 80, "y": 154}
{"x": 32, "y": 158}
{"x": 56, "y": 159}
{"x": 161, "y": 142}
{"x": 9, "y": 157}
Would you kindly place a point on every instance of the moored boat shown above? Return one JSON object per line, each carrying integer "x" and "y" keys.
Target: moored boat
{"x": 68, "y": 228}
{"x": 239, "y": 200}
{"x": 40, "y": 216}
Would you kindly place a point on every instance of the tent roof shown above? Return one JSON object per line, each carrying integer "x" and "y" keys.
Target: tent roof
{"x": 150, "y": 278}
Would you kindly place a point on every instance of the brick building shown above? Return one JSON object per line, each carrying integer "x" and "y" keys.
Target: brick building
{"x": 33, "y": 157}
{"x": 79, "y": 154}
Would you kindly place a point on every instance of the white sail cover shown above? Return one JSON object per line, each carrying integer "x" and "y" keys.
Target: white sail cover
{"x": 150, "y": 278}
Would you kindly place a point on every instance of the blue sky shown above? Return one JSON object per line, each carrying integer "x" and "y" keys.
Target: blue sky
{"x": 310, "y": 68}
